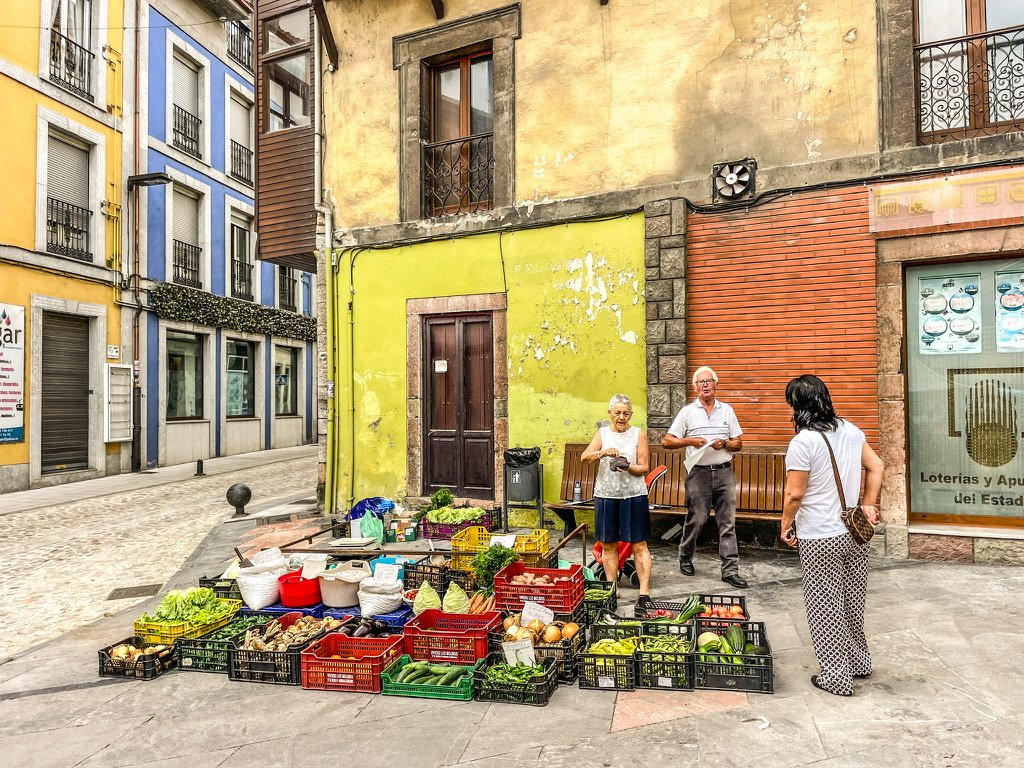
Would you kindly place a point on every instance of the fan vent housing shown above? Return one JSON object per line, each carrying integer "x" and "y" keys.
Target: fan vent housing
{"x": 733, "y": 180}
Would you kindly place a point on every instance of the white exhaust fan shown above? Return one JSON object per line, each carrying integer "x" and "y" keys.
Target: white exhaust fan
{"x": 733, "y": 180}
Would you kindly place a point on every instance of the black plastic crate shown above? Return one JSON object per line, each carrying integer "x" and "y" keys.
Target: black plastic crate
{"x": 495, "y": 636}
{"x": 209, "y": 653}
{"x": 623, "y": 627}
{"x": 536, "y": 693}
{"x": 225, "y": 588}
{"x": 664, "y": 669}
{"x": 144, "y": 667}
{"x": 755, "y": 674}
{"x": 465, "y": 579}
{"x": 566, "y": 655}
{"x": 607, "y": 672}
{"x": 277, "y": 667}
{"x": 417, "y": 573}
{"x": 592, "y": 608}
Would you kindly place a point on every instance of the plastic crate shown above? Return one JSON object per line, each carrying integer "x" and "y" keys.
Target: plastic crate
{"x": 607, "y": 672}
{"x": 464, "y": 577}
{"x": 623, "y": 627}
{"x": 321, "y": 672}
{"x": 463, "y": 691}
{"x": 425, "y": 571}
{"x": 666, "y": 670}
{"x": 756, "y": 674}
{"x": 203, "y": 654}
{"x": 429, "y": 530}
{"x": 566, "y": 655}
{"x": 225, "y": 588}
{"x": 591, "y": 608}
{"x": 144, "y": 667}
{"x": 458, "y": 638}
{"x": 712, "y": 601}
{"x": 158, "y": 633}
{"x": 560, "y": 597}
{"x": 401, "y": 560}
{"x": 476, "y": 539}
{"x": 396, "y": 619}
{"x": 576, "y": 617}
{"x": 277, "y": 667}
{"x": 316, "y": 611}
{"x": 536, "y": 693}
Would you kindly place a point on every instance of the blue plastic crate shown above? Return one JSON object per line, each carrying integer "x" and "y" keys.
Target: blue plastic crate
{"x": 316, "y": 611}
{"x": 395, "y": 619}
{"x": 391, "y": 559}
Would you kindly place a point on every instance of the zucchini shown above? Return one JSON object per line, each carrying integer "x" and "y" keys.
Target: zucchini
{"x": 440, "y": 669}
{"x": 407, "y": 671}
{"x": 737, "y": 640}
{"x": 453, "y": 676}
{"x": 418, "y": 675}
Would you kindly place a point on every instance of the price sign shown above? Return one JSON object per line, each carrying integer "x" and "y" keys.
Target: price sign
{"x": 387, "y": 571}
{"x": 313, "y": 568}
{"x": 508, "y": 540}
{"x": 533, "y": 611}
{"x": 519, "y": 652}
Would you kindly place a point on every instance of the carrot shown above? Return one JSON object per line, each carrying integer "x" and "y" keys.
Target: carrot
{"x": 474, "y": 602}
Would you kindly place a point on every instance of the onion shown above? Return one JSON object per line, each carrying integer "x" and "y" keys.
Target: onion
{"x": 536, "y": 625}
{"x": 511, "y": 621}
{"x": 570, "y": 629}
{"x": 552, "y": 634}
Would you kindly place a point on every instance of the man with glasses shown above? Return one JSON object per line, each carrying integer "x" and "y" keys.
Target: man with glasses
{"x": 709, "y": 426}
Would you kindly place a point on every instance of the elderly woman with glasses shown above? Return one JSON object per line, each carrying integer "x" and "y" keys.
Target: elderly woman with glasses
{"x": 621, "y": 511}
{"x": 709, "y": 426}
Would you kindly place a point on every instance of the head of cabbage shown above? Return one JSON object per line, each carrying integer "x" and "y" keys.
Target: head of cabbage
{"x": 455, "y": 600}
{"x": 426, "y": 598}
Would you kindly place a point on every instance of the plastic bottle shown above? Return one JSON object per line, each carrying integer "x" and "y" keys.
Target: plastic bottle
{"x": 577, "y": 492}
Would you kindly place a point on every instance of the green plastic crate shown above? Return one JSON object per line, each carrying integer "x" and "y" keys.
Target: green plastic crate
{"x": 461, "y": 692}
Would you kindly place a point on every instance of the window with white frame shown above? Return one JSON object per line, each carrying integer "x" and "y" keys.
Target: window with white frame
{"x": 71, "y": 42}
{"x": 68, "y": 215}
{"x": 240, "y": 131}
{"x": 187, "y": 253}
{"x": 186, "y": 122}
{"x": 184, "y": 375}
{"x": 286, "y": 386}
{"x": 241, "y": 257}
{"x": 241, "y": 378}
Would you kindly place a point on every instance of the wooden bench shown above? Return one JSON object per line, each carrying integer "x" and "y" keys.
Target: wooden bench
{"x": 760, "y": 483}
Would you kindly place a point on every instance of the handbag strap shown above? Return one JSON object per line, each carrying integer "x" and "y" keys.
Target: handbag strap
{"x": 835, "y": 470}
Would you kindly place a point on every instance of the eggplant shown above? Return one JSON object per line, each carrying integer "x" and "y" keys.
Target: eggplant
{"x": 363, "y": 630}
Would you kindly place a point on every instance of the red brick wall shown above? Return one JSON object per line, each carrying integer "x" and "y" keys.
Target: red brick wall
{"x": 784, "y": 289}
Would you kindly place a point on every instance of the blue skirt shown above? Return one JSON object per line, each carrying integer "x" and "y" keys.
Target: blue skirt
{"x": 622, "y": 519}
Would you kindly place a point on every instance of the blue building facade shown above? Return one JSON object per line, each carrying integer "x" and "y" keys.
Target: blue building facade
{"x": 227, "y": 350}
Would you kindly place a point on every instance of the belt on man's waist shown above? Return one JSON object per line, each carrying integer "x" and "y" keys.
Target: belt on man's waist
{"x": 727, "y": 465}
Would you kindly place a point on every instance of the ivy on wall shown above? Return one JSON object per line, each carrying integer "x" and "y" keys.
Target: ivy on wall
{"x": 176, "y": 302}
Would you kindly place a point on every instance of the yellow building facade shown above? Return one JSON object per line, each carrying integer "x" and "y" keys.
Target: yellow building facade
{"x": 61, "y": 265}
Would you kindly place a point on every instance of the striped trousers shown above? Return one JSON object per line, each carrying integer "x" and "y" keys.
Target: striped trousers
{"x": 835, "y": 572}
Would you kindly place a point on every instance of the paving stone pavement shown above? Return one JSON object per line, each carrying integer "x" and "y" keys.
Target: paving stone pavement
{"x": 61, "y": 562}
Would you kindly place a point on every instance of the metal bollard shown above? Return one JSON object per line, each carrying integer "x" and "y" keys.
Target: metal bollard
{"x": 238, "y": 496}
{"x": 199, "y": 469}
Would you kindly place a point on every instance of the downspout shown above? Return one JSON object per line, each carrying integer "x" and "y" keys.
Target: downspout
{"x": 352, "y": 376}
{"x": 133, "y": 202}
{"x": 330, "y": 286}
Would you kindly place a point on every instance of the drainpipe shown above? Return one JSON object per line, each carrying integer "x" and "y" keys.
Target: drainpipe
{"x": 136, "y": 292}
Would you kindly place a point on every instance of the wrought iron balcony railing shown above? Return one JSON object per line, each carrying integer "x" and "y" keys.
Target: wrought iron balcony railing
{"x": 187, "y": 258}
{"x": 241, "y": 279}
{"x": 458, "y": 176}
{"x": 241, "y": 162}
{"x": 970, "y": 86}
{"x": 67, "y": 229}
{"x": 70, "y": 65}
{"x": 186, "y": 132}
{"x": 286, "y": 291}
{"x": 240, "y": 43}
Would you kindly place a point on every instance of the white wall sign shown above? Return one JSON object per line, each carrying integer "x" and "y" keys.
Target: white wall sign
{"x": 12, "y": 373}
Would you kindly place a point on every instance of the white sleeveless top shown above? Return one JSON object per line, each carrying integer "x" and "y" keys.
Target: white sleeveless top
{"x": 621, "y": 484}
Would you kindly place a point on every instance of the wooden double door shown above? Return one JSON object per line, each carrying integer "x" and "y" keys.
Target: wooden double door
{"x": 458, "y": 391}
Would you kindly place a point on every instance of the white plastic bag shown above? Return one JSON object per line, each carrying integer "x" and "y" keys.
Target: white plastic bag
{"x": 377, "y": 596}
{"x": 259, "y": 585}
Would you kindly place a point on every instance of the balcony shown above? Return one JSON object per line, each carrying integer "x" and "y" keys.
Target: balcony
{"x": 186, "y": 264}
{"x": 70, "y": 65}
{"x": 286, "y": 290}
{"x": 458, "y": 176}
{"x": 240, "y": 43}
{"x": 186, "y": 132}
{"x": 241, "y": 162}
{"x": 970, "y": 86}
{"x": 241, "y": 279}
{"x": 67, "y": 229}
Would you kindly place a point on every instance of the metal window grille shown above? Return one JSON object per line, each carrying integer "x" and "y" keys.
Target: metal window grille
{"x": 240, "y": 43}
{"x": 67, "y": 229}
{"x": 186, "y": 132}
{"x": 286, "y": 290}
{"x": 241, "y": 162}
{"x": 187, "y": 259}
{"x": 459, "y": 175}
{"x": 71, "y": 65}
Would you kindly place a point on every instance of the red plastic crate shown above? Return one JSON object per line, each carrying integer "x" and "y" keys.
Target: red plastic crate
{"x": 561, "y": 597}
{"x": 459, "y": 638}
{"x": 373, "y": 655}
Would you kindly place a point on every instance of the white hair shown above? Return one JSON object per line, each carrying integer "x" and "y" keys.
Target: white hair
{"x": 620, "y": 398}
{"x": 704, "y": 369}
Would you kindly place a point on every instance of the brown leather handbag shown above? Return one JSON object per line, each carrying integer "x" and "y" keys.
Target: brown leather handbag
{"x": 854, "y": 518}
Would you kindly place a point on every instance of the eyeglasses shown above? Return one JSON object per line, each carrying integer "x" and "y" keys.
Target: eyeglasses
{"x": 705, "y": 382}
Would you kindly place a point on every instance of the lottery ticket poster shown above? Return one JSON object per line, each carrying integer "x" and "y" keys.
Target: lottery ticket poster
{"x": 1009, "y": 311}
{"x": 950, "y": 314}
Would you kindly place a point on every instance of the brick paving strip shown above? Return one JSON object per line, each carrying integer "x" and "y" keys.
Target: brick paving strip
{"x": 62, "y": 561}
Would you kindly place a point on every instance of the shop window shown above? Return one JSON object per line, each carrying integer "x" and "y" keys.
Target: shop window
{"x": 286, "y": 381}
{"x": 184, "y": 375}
{"x": 241, "y": 379}
{"x": 965, "y": 368}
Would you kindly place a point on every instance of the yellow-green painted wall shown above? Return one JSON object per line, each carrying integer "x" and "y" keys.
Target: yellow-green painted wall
{"x": 623, "y": 95}
{"x": 575, "y": 336}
